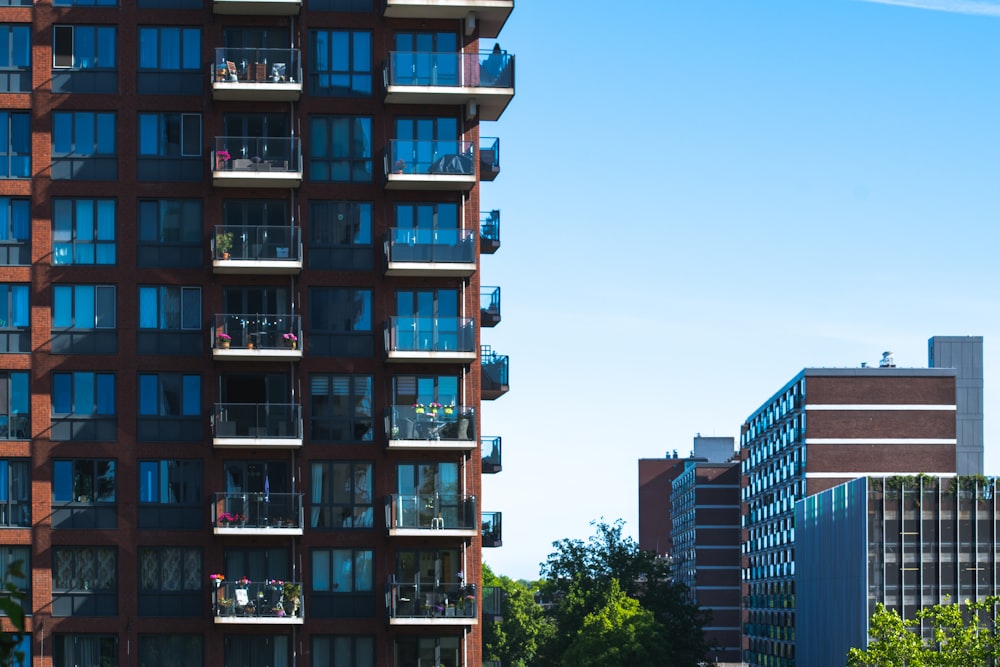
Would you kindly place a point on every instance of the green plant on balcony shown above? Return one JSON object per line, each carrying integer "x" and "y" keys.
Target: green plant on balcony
{"x": 223, "y": 244}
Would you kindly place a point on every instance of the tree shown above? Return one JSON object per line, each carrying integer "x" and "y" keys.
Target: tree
{"x": 579, "y": 578}
{"x": 963, "y": 636}
{"x": 515, "y": 639}
{"x": 11, "y": 605}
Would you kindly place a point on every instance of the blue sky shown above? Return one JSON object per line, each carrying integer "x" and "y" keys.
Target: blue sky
{"x": 701, "y": 198}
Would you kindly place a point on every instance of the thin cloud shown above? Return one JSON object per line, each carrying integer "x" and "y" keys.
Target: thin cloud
{"x": 979, "y": 7}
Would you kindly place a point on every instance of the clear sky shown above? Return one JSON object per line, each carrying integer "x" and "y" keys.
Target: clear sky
{"x": 698, "y": 199}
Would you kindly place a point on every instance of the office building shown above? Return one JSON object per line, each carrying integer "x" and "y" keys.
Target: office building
{"x": 242, "y": 366}
{"x": 823, "y": 428}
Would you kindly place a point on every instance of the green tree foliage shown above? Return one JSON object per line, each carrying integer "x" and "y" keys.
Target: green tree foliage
{"x": 963, "y": 636}
{"x": 579, "y": 577}
{"x": 11, "y": 606}
{"x": 523, "y": 627}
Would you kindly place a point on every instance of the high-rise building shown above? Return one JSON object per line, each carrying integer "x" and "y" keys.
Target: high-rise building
{"x": 242, "y": 369}
{"x": 823, "y": 428}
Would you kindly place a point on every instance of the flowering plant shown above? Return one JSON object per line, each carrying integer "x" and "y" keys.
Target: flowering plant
{"x": 223, "y": 154}
{"x": 290, "y": 336}
{"x": 217, "y": 578}
{"x": 244, "y": 582}
{"x": 224, "y": 336}
{"x": 226, "y": 517}
{"x": 449, "y": 409}
{"x": 418, "y": 408}
{"x": 435, "y": 406}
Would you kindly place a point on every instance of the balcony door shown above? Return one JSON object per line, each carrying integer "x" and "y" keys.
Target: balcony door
{"x": 427, "y": 319}
{"x": 422, "y": 141}
{"x": 426, "y": 58}
{"x": 259, "y": 490}
{"x": 258, "y": 315}
{"x": 257, "y": 136}
{"x": 429, "y": 491}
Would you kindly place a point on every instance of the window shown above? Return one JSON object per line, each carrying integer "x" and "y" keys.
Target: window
{"x": 83, "y": 231}
{"x": 170, "y": 134}
{"x": 170, "y": 581}
{"x": 14, "y": 417}
{"x": 83, "y": 307}
{"x": 169, "y": 48}
{"x": 15, "y": 57}
{"x": 83, "y": 481}
{"x": 83, "y": 145}
{"x": 411, "y": 389}
{"x": 22, "y": 557}
{"x": 84, "y": 582}
{"x": 89, "y": 650}
{"x": 170, "y": 308}
{"x": 341, "y": 494}
{"x": 15, "y": 231}
{"x": 342, "y": 651}
{"x": 340, "y": 309}
{"x": 169, "y": 394}
{"x": 340, "y": 148}
{"x": 256, "y": 650}
{"x": 340, "y": 235}
{"x": 83, "y": 393}
{"x": 14, "y": 310}
{"x": 342, "y": 583}
{"x": 170, "y": 494}
{"x": 171, "y": 650}
{"x": 15, "y": 488}
{"x": 84, "y": 3}
{"x": 340, "y": 408}
{"x": 425, "y": 59}
{"x": 341, "y": 62}
{"x": 170, "y": 233}
{"x": 83, "y": 47}
{"x": 341, "y": 5}
{"x": 15, "y": 144}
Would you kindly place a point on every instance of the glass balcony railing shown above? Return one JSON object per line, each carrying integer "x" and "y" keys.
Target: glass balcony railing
{"x": 433, "y": 600}
{"x": 258, "y": 420}
{"x": 257, "y": 67}
{"x": 246, "y": 510}
{"x": 244, "y": 599}
{"x": 431, "y": 423}
{"x": 257, "y": 243}
{"x": 489, "y": 306}
{"x": 496, "y": 369}
{"x": 492, "y": 529}
{"x": 431, "y": 512}
{"x": 431, "y": 158}
{"x": 489, "y": 231}
{"x": 431, "y": 334}
{"x": 253, "y": 155}
{"x": 491, "y": 69}
{"x": 429, "y": 246}
{"x": 256, "y": 331}
{"x": 490, "y": 447}
{"x": 489, "y": 158}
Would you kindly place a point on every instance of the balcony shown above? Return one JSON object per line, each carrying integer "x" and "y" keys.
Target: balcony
{"x": 489, "y": 158}
{"x": 431, "y": 428}
{"x": 495, "y": 372}
{"x": 491, "y": 461}
{"x": 265, "y": 425}
{"x": 444, "y": 253}
{"x": 257, "y": 7}
{"x": 257, "y": 162}
{"x": 430, "y": 165}
{"x": 256, "y": 337}
{"x": 433, "y": 515}
{"x": 483, "y": 82}
{"x": 444, "y": 603}
{"x": 257, "y": 75}
{"x": 253, "y": 250}
{"x": 258, "y": 514}
{"x": 489, "y": 306}
{"x": 492, "y": 529}
{"x": 489, "y": 232}
{"x": 445, "y": 340}
{"x": 258, "y": 603}
{"x": 490, "y": 15}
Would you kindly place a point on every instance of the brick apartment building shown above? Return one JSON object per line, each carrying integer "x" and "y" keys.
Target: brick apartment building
{"x": 241, "y": 318}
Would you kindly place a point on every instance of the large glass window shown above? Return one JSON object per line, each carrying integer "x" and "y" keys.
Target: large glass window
{"x": 170, "y": 134}
{"x": 15, "y": 144}
{"x": 22, "y": 557}
{"x": 14, "y": 395}
{"x": 423, "y": 650}
{"x": 83, "y": 47}
{"x": 170, "y": 233}
{"x": 90, "y": 481}
{"x": 340, "y": 148}
{"x": 15, "y": 231}
{"x": 84, "y": 583}
{"x": 341, "y": 5}
{"x": 83, "y": 307}
{"x": 170, "y": 482}
{"x": 169, "y": 394}
{"x": 340, "y": 235}
{"x": 341, "y": 494}
{"x": 340, "y": 408}
{"x": 170, "y": 308}
{"x": 342, "y": 651}
{"x": 342, "y": 570}
{"x": 15, "y": 57}
{"x": 84, "y": 3}
{"x": 14, "y": 310}
{"x": 83, "y": 393}
{"x": 340, "y": 309}
{"x": 15, "y": 489}
{"x": 171, "y": 650}
{"x": 169, "y": 48}
{"x": 170, "y": 569}
{"x": 83, "y": 231}
{"x": 341, "y": 62}
{"x": 82, "y": 133}
{"x": 425, "y": 389}
{"x": 261, "y": 650}
{"x": 89, "y": 650}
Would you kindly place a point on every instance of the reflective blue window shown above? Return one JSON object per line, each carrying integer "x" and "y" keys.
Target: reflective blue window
{"x": 83, "y": 231}
{"x": 83, "y": 133}
{"x": 15, "y": 144}
{"x": 169, "y": 48}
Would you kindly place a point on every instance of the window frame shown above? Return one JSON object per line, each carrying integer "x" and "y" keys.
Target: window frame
{"x": 78, "y": 233}
{"x": 347, "y": 157}
{"x": 360, "y": 394}
{"x": 74, "y": 472}
{"x": 185, "y": 62}
{"x": 96, "y": 42}
{"x": 15, "y": 144}
{"x": 98, "y": 148}
{"x": 98, "y": 299}
{"x": 103, "y": 382}
{"x": 188, "y": 320}
{"x": 325, "y": 49}
{"x": 333, "y": 479}
{"x": 186, "y": 123}
{"x": 185, "y": 384}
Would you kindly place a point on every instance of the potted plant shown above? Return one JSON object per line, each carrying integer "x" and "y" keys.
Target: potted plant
{"x": 223, "y": 244}
{"x": 222, "y": 159}
{"x": 225, "y": 340}
{"x": 225, "y": 606}
{"x": 291, "y": 340}
{"x": 292, "y": 592}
